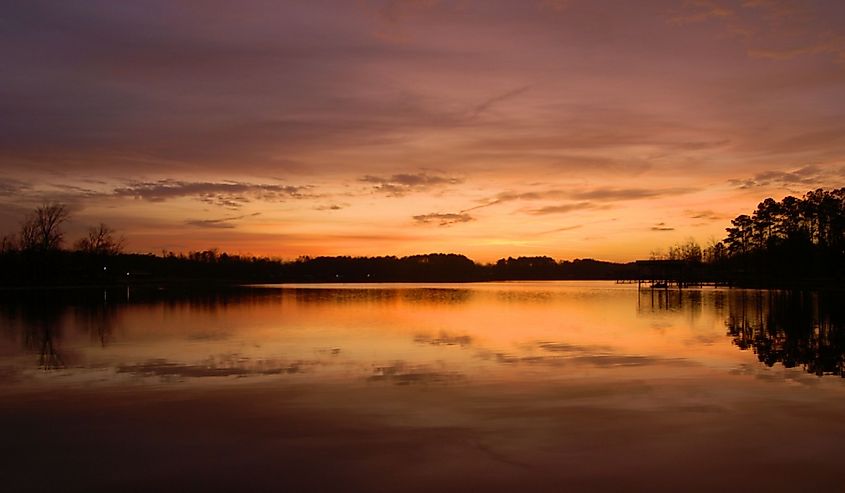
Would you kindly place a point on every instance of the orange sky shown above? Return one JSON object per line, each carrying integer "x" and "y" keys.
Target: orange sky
{"x": 575, "y": 128}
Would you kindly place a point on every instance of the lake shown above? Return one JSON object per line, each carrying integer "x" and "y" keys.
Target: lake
{"x": 534, "y": 386}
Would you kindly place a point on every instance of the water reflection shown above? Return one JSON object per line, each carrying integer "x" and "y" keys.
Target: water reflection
{"x": 403, "y": 373}
{"x": 496, "y": 387}
{"x": 444, "y": 339}
{"x": 38, "y": 325}
{"x": 381, "y": 295}
{"x": 39, "y": 320}
{"x": 226, "y": 366}
{"x": 434, "y": 332}
{"x": 689, "y": 301}
{"x": 791, "y": 328}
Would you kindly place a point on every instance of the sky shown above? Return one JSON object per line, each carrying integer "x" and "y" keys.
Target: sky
{"x": 569, "y": 128}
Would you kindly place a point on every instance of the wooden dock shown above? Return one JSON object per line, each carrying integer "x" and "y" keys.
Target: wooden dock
{"x": 667, "y": 274}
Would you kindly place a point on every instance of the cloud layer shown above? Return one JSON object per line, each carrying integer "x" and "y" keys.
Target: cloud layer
{"x": 338, "y": 119}
{"x": 225, "y": 194}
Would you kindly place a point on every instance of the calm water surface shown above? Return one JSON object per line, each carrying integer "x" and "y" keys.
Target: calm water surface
{"x": 548, "y": 386}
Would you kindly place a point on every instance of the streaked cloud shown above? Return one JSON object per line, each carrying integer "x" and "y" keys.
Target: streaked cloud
{"x": 560, "y": 230}
{"x": 701, "y": 10}
{"x": 225, "y": 194}
{"x": 491, "y": 102}
{"x": 804, "y": 177}
{"x": 593, "y": 194}
{"x": 12, "y": 187}
{"x": 707, "y": 215}
{"x": 222, "y": 222}
{"x": 662, "y": 227}
{"x": 562, "y": 208}
{"x": 620, "y": 194}
{"x": 443, "y": 219}
{"x": 338, "y": 121}
{"x": 772, "y": 29}
{"x": 403, "y": 183}
{"x": 330, "y": 207}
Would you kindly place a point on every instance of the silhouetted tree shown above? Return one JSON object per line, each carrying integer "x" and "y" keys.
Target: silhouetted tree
{"x": 739, "y": 236}
{"x": 101, "y": 240}
{"x": 714, "y": 253}
{"x": 689, "y": 251}
{"x": 795, "y": 238}
{"x": 42, "y": 230}
{"x": 8, "y": 244}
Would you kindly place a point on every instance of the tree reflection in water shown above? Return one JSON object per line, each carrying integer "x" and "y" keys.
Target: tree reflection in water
{"x": 40, "y": 326}
{"x": 791, "y": 328}
{"x": 99, "y": 318}
{"x": 39, "y": 319}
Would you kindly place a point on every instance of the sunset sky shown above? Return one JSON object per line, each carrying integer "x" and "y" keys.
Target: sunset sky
{"x": 568, "y": 128}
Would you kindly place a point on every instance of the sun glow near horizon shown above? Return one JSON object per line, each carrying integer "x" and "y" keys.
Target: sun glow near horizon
{"x": 372, "y": 224}
{"x": 396, "y": 128}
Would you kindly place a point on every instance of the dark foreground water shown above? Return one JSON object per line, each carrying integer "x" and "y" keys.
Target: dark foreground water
{"x": 479, "y": 387}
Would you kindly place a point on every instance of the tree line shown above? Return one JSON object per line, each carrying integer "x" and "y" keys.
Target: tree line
{"x": 36, "y": 255}
{"x": 814, "y": 222}
{"x": 787, "y": 242}
{"x": 793, "y": 241}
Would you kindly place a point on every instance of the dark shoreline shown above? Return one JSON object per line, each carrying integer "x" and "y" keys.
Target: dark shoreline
{"x": 200, "y": 285}
{"x": 72, "y": 269}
